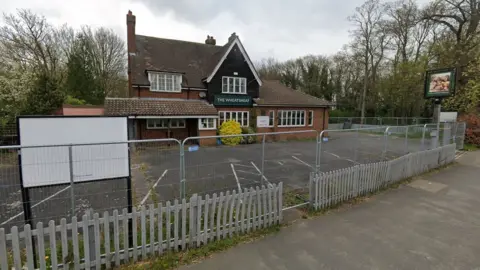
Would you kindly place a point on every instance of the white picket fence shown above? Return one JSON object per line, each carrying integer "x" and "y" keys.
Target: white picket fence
{"x": 331, "y": 188}
{"x": 102, "y": 242}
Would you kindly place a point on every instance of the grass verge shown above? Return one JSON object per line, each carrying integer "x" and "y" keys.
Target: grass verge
{"x": 470, "y": 147}
{"x": 172, "y": 260}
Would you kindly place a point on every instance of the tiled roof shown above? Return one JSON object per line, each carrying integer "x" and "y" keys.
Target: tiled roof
{"x": 194, "y": 60}
{"x": 157, "y": 107}
{"x": 275, "y": 93}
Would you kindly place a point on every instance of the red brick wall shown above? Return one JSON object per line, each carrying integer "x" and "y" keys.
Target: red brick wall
{"x": 144, "y": 133}
{"x": 185, "y": 94}
{"x": 319, "y": 114}
{"x": 207, "y": 142}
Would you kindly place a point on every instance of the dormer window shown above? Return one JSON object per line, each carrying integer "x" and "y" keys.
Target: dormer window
{"x": 165, "y": 82}
{"x": 234, "y": 85}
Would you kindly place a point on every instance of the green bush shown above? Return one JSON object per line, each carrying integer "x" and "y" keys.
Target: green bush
{"x": 248, "y": 139}
{"x": 230, "y": 128}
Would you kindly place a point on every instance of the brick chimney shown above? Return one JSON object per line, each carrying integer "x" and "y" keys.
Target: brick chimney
{"x": 210, "y": 40}
{"x": 131, "y": 32}
{"x": 131, "y": 49}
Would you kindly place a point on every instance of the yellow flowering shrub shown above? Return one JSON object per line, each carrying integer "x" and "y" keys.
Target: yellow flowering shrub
{"x": 230, "y": 128}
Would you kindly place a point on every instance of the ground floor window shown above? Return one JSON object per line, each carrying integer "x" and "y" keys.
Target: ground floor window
{"x": 271, "y": 118}
{"x": 291, "y": 118}
{"x": 165, "y": 123}
{"x": 240, "y": 117}
{"x": 207, "y": 123}
{"x": 310, "y": 118}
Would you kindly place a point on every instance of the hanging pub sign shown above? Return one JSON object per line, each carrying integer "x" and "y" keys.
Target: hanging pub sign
{"x": 440, "y": 83}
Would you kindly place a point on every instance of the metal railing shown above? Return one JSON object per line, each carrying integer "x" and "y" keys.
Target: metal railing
{"x": 381, "y": 121}
{"x": 167, "y": 169}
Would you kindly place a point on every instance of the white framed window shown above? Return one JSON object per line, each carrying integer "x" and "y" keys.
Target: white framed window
{"x": 177, "y": 123}
{"x": 207, "y": 123}
{"x": 240, "y": 117}
{"x": 271, "y": 118}
{"x": 310, "y": 118}
{"x": 157, "y": 123}
{"x": 164, "y": 123}
{"x": 291, "y": 118}
{"x": 234, "y": 85}
{"x": 165, "y": 82}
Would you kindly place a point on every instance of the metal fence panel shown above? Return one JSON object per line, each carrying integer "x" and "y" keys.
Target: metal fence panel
{"x": 154, "y": 170}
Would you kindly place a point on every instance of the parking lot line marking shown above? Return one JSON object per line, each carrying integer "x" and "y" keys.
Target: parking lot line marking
{"x": 335, "y": 155}
{"x": 352, "y": 161}
{"x": 302, "y": 161}
{"x": 263, "y": 176}
{"x": 236, "y": 177}
{"x": 242, "y": 165}
{"x": 279, "y": 162}
{"x": 35, "y": 205}
{"x": 154, "y": 186}
{"x": 242, "y": 171}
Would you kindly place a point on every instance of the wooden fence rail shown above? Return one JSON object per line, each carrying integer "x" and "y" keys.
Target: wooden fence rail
{"x": 103, "y": 242}
{"x": 327, "y": 189}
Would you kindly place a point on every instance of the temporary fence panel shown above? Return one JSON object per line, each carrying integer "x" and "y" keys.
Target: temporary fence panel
{"x": 289, "y": 158}
{"x": 154, "y": 170}
{"x": 227, "y": 162}
{"x": 330, "y": 188}
{"x": 344, "y": 148}
{"x": 103, "y": 242}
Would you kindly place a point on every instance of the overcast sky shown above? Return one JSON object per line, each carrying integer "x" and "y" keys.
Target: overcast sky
{"x": 282, "y": 29}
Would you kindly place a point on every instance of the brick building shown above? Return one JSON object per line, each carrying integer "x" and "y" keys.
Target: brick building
{"x": 180, "y": 89}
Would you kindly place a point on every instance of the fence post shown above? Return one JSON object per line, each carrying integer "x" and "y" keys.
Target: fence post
{"x": 319, "y": 149}
{"x": 263, "y": 159}
{"x": 72, "y": 194}
{"x": 91, "y": 235}
{"x": 406, "y": 140}
{"x": 385, "y": 143}
{"x": 423, "y": 136}
{"x": 182, "y": 170}
{"x": 356, "y": 146}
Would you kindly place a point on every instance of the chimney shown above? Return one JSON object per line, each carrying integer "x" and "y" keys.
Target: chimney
{"x": 232, "y": 37}
{"x": 210, "y": 40}
{"x": 131, "y": 49}
{"x": 131, "y": 33}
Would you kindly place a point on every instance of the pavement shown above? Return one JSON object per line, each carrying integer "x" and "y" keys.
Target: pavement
{"x": 431, "y": 223}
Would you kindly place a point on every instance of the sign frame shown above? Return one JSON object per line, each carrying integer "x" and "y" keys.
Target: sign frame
{"x": 436, "y": 80}
{"x": 232, "y": 100}
{"x": 263, "y": 121}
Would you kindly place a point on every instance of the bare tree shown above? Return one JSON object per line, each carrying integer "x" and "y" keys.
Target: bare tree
{"x": 370, "y": 39}
{"x": 28, "y": 41}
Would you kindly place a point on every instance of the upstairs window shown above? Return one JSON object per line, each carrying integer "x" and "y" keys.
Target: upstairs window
{"x": 234, "y": 85}
{"x": 165, "y": 82}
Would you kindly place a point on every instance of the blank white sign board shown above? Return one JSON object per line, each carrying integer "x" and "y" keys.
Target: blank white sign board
{"x": 42, "y": 166}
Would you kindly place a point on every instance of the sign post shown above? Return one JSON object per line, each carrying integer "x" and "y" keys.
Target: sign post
{"x": 439, "y": 84}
